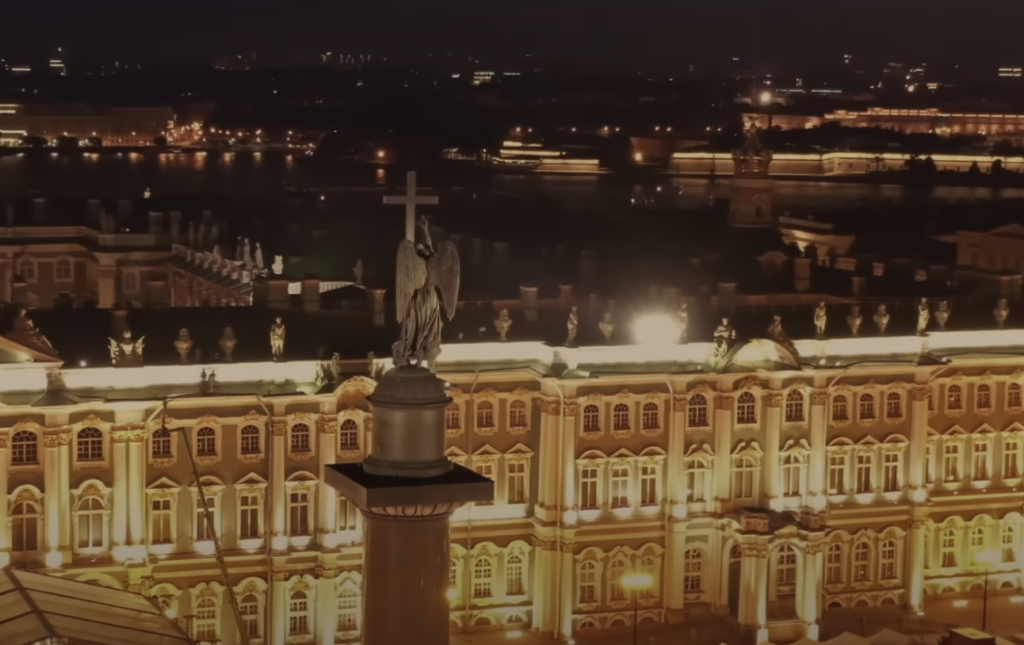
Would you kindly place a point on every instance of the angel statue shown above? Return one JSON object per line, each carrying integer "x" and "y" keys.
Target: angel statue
{"x": 426, "y": 279}
{"x": 127, "y": 352}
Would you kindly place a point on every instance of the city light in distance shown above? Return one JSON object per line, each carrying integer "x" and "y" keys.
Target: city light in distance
{"x": 655, "y": 329}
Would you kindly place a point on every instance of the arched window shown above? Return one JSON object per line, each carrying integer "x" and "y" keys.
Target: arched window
{"x": 743, "y": 478}
{"x": 983, "y": 397}
{"x": 249, "y": 607}
{"x": 206, "y": 442}
{"x": 840, "y": 409}
{"x": 746, "y": 408}
{"x": 24, "y": 448}
{"x": 25, "y": 518}
{"x": 1011, "y": 457}
{"x": 89, "y": 525}
{"x": 694, "y": 563}
{"x": 348, "y": 435}
{"x": 588, "y": 582}
{"x": 485, "y": 414}
{"x": 947, "y": 548}
{"x": 616, "y": 590}
{"x": 517, "y": 414}
{"x": 954, "y": 398}
{"x": 591, "y": 419}
{"x": 300, "y": 438}
{"x": 647, "y": 567}
{"x": 160, "y": 444}
{"x": 514, "y": 576}
{"x": 697, "y": 411}
{"x": 861, "y": 562}
{"x": 785, "y": 566}
{"x": 298, "y": 614}
{"x": 206, "y": 620}
{"x": 976, "y": 540}
{"x": 90, "y": 444}
{"x": 650, "y": 416}
{"x": 794, "y": 407}
{"x": 62, "y": 270}
{"x": 834, "y": 565}
{"x": 453, "y": 416}
{"x": 250, "y": 437}
{"x": 1013, "y": 395}
{"x": 348, "y": 610}
{"x": 867, "y": 406}
{"x": 893, "y": 406}
{"x": 453, "y": 576}
{"x": 1008, "y": 542}
{"x": 483, "y": 576}
{"x": 27, "y": 269}
{"x": 792, "y": 467}
{"x": 698, "y": 475}
{"x": 620, "y": 417}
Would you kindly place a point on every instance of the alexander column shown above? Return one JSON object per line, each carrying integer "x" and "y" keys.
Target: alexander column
{"x": 407, "y": 489}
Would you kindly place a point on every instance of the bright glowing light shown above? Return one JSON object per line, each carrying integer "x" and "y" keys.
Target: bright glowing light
{"x": 766, "y": 98}
{"x": 656, "y": 329}
{"x": 515, "y": 633}
{"x": 380, "y": 154}
{"x": 54, "y": 560}
{"x": 959, "y": 603}
{"x": 989, "y": 556}
{"x": 638, "y": 157}
{"x": 637, "y": 581}
{"x": 171, "y": 613}
{"x": 1016, "y": 599}
{"x": 452, "y": 594}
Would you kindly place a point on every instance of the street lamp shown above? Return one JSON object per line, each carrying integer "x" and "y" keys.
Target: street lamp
{"x": 636, "y": 582}
{"x": 986, "y": 558}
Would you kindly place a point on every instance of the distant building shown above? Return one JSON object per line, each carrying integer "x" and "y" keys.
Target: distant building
{"x": 906, "y": 120}
{"x": 111, "y": 126}
{"x": 1010, "y": 72}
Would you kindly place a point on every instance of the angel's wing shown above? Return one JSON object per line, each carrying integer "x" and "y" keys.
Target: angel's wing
{"x": 410, "y": 275}
{"x": 444, "y": 274}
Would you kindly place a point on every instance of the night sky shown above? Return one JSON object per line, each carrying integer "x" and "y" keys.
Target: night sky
{"x": 623, "y": 32}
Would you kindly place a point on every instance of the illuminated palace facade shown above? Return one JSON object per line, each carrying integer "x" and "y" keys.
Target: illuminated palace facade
{"x": 867, "y": 472}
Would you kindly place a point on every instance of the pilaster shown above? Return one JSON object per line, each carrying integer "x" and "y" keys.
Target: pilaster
{"x": 772, "y": 437}
{"x": 568, "y": 442}
{"x": 119, "y": 517}
{"x": 724, "y": 405}
{"x": 51, "y": 497}
{"x": 918, "y": 443}
{"x": 809, "y": 606}
{"x": 816, "y": 498}
{"x": 5, "y": 528}
{"x": 107, "y": 287}
{"x": 547, "y": 489}
{"x": 64, "y": 494}
{"x": 327, "y": 605}
{"x": 327, "y": 500}
{"x": 753, "y": 596}
{"x": 137, "y": 487}
{"x": 675, "y": 472}
{"x": 915, "y": 564}
{"x": 545, "y": 586}
{"x": 279, "y": 539}
{"x": 675, "y": 570}
{"x": 566, "y": 596}
{"x": 278, "y": 607}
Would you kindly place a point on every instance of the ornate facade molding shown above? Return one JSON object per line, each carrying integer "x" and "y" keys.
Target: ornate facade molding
{"x": 280, "y": 427}
{"x": 920, "y": 393}
{"x": 774, "y": 399}
{"x": 725, "y": 402}
{"x": 54, "y": 439}
{"x": 819, "y": 397}
{"x": 413, "y": 513}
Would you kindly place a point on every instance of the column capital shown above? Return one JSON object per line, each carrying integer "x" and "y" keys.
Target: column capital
{"x": 55, "y": 438}
{"x": 917, "y": 522}
{"x": 819, "y": 397}
{"x": 327, "y": 574}
{"x": 567, "y": 547}
{"x": 280, "y": 576}
{"x": 680, "y": 404}
{"x": 725, "y": 402}
{"x": 326, "y": 424}
{"x": 554, "y": 408}
{"x": 759, "y": 551}
{"x": 774, "y": 399}
{"x": 921, "y": 392}
{"x": 280, "y": 427}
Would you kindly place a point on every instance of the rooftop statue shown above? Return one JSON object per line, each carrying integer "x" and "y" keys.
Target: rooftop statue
{"x": 752, "y": 158}
{"x": 23, "y": 330}
{"x": 425, "y": 280}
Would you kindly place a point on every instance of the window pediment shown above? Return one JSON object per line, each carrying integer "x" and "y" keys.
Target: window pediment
{"x": 747, "y": 449}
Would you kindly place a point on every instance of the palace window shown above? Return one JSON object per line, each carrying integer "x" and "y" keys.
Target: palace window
{"x": 616, "y": 590}
{"x": 861, "y": 562}
{"x": 161, "y": 525}
{"x": 515, "y": 482}
{"x": 694, "y": 563}
{"x": 785, "y": 566}
{"x": 794, "y": 407}
{"x": 160, "y": 444}
{"x": 453, "y": 417}
{"x": 90, "y": 444}
{"x": 203, "y": 531}
{"x": 620, "y": 417}
{"x": 24, "y": 448}
{"x": 620, "y": 486}
{"x": 743, "y": 478}
{"x": 867, "y": 407}
{"x": 979, "y": 455}
{"x": 697, "y": 411}
{"x": 300, "y": 438}
{"x": 834, "y": 565}
{"x": 588, "y": 582}
{"x": 249, "y": 607}
{"x": 976, "y": 540}
{"x": 514, "y": 576}
{"x": 453, "y": 575}
{"x": 697, "y": 471}
{"x": 648, "y": 485}
{"x": 347, "y": 515}
{"x": 90, "y": 525}
{"x": 983, "y": 397}
{"x": 588, "y": 488}
{"x": 27, "y": 269}
{"x": 837, "y": 474}
{"x": 947, "y": 548}
{"x": 954, "y": 398}
{"x": 298, "y": 513}
{"x": 791, "y": 475}
{"x": 647, "y": 567}
{"x": 929, "y": 463}
{"x": 298, "y": 614}
{"x": 517, "y": 414}
{"x": 348, "y": 610}
{"x": 891, "y": 472}
{"x": 864, "y": 463}
{"x": 348, "y": 435}
{"x": 483, "y": 573}
{"x": 591, "y": 419}
{"x": 1013, "y": 395}
{"x": 893, "y": 406}
{"x": 206, "y": 620}
{"x": 250, "y": 440}
{"x": 1008, "y": 542}
{"x": 206, "y": 442}
{"x": 951, "y": 462}
{"x": 25, "y": 520}
{"x": 484, "y": 467}
{"x": 62, "y": 270}
{"x": 746, "y": 408}
{"x": 249, "y": 516}
{"x": 840, "y": 409}
{"x": 1011, "y": 458}
{"x": 650, "y": 416}
{"x": 130, "y": 281}
{"x": 887, "y": 560}
{"x": 485, "y": 414}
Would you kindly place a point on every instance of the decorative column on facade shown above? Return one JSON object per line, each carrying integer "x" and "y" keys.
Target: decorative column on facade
{"x": 546, "y": 513}
{"x": 327, "y": 520}
{"x": 724, "y": 404}
{"x": 547, "y": 496}
{"x": 545, "y": 585}
{"x": 809, "y": 604}
{"x": 327, "y": 604}
{"x": 51, "y": 498}
{"x": 915, "y": 562}
{"x": 278, "y": 529}
{"x": 676, "y": 493}
{"x": 137, "y": 491}
{"x": 567, "y": 596}
{"x": 568, "y": 493}
{"x": 278, "y": 607}
{"x": 772, "y": 437}
{"x": 5, "y": 528}
{"x": 107, "y": 286}
{"x": 918, "y": 444}
{"x": 119, "y": 517}
{"x": 675, "y": 570}
{"x": 816, "y": 497}
{"x": 64, "y": 493}
{"x": 753, "y": 596}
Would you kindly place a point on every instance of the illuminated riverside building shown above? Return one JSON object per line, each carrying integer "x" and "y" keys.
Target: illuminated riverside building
{"x": 111, "y": 125}
{"x": 770, "y": 485}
